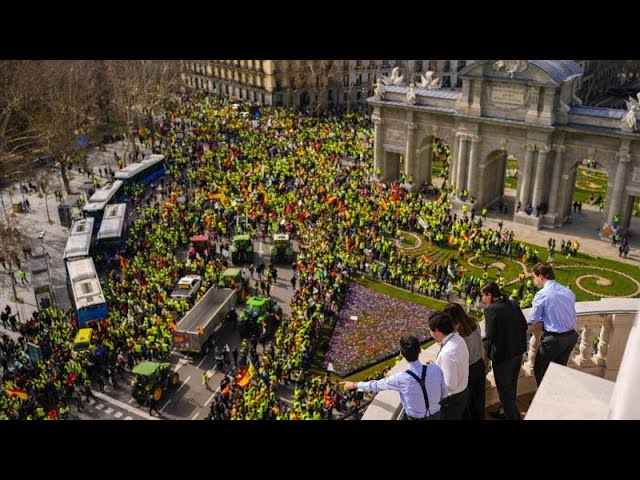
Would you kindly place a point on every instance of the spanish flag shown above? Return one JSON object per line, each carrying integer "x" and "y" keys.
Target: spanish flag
{"x": 21, "y": 394}
{"x": 248, "y": 375}
{"x": 200, "y": 330}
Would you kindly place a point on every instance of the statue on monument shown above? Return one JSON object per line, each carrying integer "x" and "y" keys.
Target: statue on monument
{"x": 379, "y": 90}
{"x": 395, "y": 78}
{"x": 633, "y": 108}
{"x": 411, "y": 94}
{"x": 511, "y": 66}
{"x": 429, "y": 82}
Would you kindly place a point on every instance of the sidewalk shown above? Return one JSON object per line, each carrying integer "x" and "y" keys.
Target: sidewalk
{"x": 55, "y": 237}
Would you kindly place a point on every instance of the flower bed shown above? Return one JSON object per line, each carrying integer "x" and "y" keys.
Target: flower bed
{"x": 375, "y": 335}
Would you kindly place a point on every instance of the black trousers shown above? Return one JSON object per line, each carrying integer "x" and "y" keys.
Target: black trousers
{"x": 454, "y": 405}
{"x": 554, "y": 348}
{"x": 477, "y": 378}
{"x": 506, "y": 376}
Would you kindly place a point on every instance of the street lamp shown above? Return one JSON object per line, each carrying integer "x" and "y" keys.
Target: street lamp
{"x": 46, "y": 261}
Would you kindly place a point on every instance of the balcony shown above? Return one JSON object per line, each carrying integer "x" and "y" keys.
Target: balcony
{"x": 585, "y": 387}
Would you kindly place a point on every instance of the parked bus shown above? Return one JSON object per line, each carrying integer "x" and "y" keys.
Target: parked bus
{"x": 112, "y": 233}
{"x": 79, "y": 242}
{"x": 86, "y": 292}
{"x": 110, "y": 193}
{"x": 144, "y": 172}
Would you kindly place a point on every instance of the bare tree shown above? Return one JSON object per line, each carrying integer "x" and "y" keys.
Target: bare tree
{"x": 16, "y": 137}
{"x": 311, "y": 77}
{"x": 43, "y": 179}
{"x": 139, "y": 88}
{"x": 11, "y": 242}
{"x": 64, "y": 98}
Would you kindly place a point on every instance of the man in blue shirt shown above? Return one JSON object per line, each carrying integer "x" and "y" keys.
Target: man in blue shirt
{"x": 419, "y": 403}
{"x": 555, "y": 306}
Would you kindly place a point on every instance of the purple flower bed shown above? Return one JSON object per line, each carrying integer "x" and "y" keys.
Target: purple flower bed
{"x": 375, "y": 335}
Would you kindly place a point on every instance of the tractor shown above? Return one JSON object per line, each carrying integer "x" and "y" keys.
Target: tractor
{"x": 281, "y": 248}
{"x": 154, "y": 377}
{"x": 232, "y": 278}
{"x": 242, "y": 249}
{"x": 257, "y": 318}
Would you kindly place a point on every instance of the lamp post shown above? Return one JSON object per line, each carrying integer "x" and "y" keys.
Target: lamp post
{"x": 46, "y": 261}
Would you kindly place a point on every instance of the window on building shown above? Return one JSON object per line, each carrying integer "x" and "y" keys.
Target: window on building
{"x": 359, "y": 80}
{"x": 359, "y": 95}
{"x": 330, "y": 95}
{"x": 447, "y": 66}
{"x": 358, "y": 63}
{"x": 418, "y": 66}
{"x": 345, "y": 80}
{"x": 461, "y": 64}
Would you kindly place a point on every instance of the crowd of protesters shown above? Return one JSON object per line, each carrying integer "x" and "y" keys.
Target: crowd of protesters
{"x": 289, "y": 172}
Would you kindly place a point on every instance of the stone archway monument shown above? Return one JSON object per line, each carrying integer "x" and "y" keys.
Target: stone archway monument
{"x": 524, "y": 108}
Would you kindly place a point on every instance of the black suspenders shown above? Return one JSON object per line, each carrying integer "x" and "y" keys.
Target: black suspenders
{"x": 422, "y": 385}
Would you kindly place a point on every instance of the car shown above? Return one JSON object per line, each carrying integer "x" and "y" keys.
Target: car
{"x": 187, "y": 286}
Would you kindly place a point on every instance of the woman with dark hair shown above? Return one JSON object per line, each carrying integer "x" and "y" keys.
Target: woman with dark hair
{"x": 469, "y": 330}
{"x": 506, "y": 331}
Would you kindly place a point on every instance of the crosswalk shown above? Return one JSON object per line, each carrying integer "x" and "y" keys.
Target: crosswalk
{"x": 106, "y": 410}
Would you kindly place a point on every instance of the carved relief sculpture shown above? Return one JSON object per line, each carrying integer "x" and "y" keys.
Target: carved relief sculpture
{"x": 395, "y": 78}
{"x": 511, "y": 66}
{"x": 427, "y": 81}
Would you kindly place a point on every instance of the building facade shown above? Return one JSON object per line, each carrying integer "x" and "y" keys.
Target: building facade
{"x": 326, "y": 84}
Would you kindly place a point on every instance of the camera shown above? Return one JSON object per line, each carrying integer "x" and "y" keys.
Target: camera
{"x": 41, "y": 235}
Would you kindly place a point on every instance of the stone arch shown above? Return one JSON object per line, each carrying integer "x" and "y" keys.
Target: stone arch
{"x": 493, "y": 175}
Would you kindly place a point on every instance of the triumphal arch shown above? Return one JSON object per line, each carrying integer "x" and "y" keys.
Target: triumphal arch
{"x": 521, "y": 108}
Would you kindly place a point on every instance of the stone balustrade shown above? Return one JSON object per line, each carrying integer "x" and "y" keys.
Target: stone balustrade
{"x": 610, "y": 319}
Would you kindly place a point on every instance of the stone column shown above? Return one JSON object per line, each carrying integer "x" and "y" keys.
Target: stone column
{"x": 525, "y": 175}
{"x": 378, "y": 152}
{"x": 461, "y": 179}
{"x": 603, "y": 346}
{"x": 618, "y": 187}
{"x": 534, "y": 343}
{"x": 410, "y": 153}
{"x": 538, "y": 186}
{"x": 473, "y": 166}
{"x": 586, "y": 346}
{"x": 555, "y": 179}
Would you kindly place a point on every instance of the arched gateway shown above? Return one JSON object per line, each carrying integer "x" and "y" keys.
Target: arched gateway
{"x": 522, "y": 108}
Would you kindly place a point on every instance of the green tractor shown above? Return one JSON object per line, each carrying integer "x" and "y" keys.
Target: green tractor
{"x": 257, "y": 318}
{"x": 154, "y": 377}
{"x": 232, "y": 278}
{"x": 242, "y": 249}
{"x": 281, "y": 248}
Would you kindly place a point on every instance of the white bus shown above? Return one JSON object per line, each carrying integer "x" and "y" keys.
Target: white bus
{"x": 143, "y": 172}
{"x": 86, "y": 291}
{"x": 110, "y": 193}
{"x": 112, "y": 233}
{"x": 79, "y": 242}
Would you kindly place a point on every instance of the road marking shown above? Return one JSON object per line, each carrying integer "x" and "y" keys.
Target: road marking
{"x": 118, "y": 414}
{"x": 204, "y": 357}
{"x": 183, "y": 384}
{"x": 210, "y": 398}
{"x": 124, "y": 406}
{"x": 131, "y": 401}
{"x": 165, "y": 405}
{"x": 91, "y": 401}
{"x": 100, "y": 406}
{"x": 181, "y": 363}
{"x": 195, "y": 416}
{"x": 108, "y": 410}
{"x": 128, "y": 418}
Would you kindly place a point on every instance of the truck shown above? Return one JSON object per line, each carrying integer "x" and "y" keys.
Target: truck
{"x": 195, "y": 331}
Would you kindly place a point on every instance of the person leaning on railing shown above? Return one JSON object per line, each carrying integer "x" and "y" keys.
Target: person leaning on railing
{"x": 421, "y": 387}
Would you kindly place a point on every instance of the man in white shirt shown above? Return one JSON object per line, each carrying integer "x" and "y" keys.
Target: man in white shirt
{"x": 453, "y": 359}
